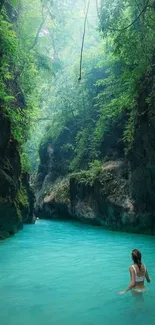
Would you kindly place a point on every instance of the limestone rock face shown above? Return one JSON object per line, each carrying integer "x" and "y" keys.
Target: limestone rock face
{"x": 103, "y": 199}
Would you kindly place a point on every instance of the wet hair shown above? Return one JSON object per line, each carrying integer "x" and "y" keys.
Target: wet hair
{"x": 136, "y": 256}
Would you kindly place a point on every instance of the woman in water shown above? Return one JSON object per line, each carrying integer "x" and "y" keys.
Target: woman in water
{"x": 138, "y": 273}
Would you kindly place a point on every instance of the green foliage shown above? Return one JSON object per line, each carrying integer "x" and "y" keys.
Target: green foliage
{"x": 95, "y": 167}
{"x": 11, "y": 87}
{"x": 39, "y": 87}
{"x": 22, "y": 198}
{"x": 8, "y": 50}
{"x": 128, "y": 27}
{"x": 14, "y": 3}
{"x": 81, "y": 148}
{"x": 129, "y": 132}
{"x": 25, "y": 162}
{"x": 61, "y": 192}
{"x": 66, "y": 148}
{"x": 19, "y": 78}
{"x": 88, "y": 177}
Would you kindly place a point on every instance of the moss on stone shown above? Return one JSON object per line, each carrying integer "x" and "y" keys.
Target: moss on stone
{"x": 62, "y": 192}
{"x": 22, "y": 198}
{"x": 22, "y": 203}
{"x": 86, "y": 177}
{"x": 18, "y": 210}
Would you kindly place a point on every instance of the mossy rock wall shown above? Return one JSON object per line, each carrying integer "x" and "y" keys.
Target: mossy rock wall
{"x": 10, "y": 219}
{"x": 100, "y": 198}
{"x": 106, "y": 200}
{"x": 16, "y": 202}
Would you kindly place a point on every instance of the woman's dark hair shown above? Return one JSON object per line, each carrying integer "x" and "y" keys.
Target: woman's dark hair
{"x": 136, "y": 256}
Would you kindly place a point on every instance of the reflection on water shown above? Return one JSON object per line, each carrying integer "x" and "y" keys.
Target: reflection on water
{"x": 62, "y": 273}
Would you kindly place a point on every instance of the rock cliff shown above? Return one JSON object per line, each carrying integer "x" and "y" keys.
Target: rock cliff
{"x": 118, "y": 194}
{"x": 16, "y": 198}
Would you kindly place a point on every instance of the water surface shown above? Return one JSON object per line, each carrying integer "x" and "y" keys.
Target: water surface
{"x": 62, "y": 273}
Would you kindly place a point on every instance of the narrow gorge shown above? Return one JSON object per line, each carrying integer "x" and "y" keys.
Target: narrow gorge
{"x": 77, "y": 114}
{"x": 77, "y": 162}
{"x": 117, "y": 191}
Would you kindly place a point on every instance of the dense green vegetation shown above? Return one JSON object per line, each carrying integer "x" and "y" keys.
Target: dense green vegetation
{"x": 77, "y": 85}
{"x": 117, "y": 59}
{"x": 40, "y": 87}
{"x": 18, "y": 76}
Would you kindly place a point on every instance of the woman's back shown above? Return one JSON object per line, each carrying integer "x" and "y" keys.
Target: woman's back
{"x": 140, "y": 272}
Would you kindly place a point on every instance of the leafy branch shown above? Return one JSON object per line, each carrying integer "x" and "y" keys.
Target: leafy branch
{"x": 133, "y": 22}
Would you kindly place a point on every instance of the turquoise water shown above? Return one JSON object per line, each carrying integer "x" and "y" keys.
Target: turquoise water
{"x": 62, "y": 273}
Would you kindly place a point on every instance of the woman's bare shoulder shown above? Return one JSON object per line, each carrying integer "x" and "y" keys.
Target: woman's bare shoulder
{"x": 131, "y": 268}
